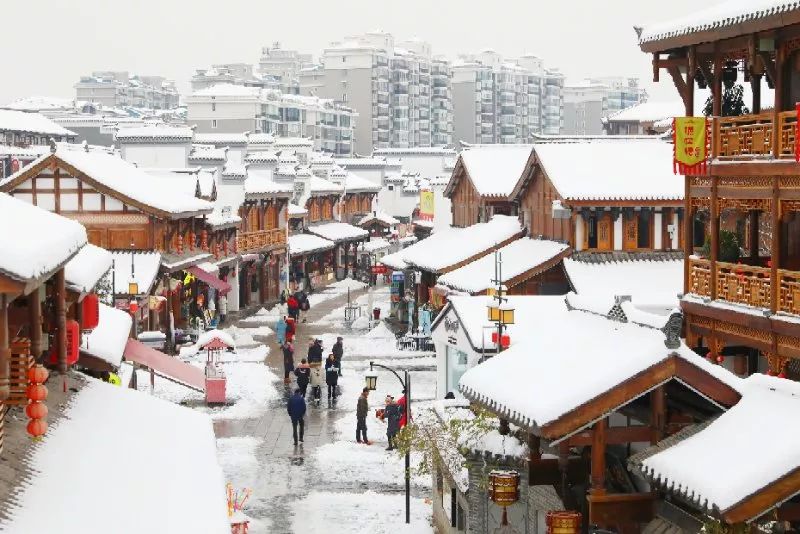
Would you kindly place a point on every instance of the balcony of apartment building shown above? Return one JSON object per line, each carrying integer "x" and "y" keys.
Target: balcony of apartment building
{"x": 380, "y": 73}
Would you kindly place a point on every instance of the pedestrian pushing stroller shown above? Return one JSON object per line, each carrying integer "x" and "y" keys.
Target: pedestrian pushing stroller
{"x": 317, "y": 379}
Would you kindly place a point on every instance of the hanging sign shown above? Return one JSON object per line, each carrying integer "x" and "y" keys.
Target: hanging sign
{"x": 426, "y": 205}
{"x": 690, "y": 145}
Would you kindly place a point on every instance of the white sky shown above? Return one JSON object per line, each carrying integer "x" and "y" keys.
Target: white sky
{"x": 48, "y": 44}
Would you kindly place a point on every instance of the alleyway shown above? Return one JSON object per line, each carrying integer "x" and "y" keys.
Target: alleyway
{"x": 323, "y": 483}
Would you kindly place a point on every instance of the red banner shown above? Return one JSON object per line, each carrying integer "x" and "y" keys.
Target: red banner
{"x": 378, "y": 269}
{"x": 690, "y": 138}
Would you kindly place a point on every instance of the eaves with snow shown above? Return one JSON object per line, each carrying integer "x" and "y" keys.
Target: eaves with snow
{"x": 494, "y": 171}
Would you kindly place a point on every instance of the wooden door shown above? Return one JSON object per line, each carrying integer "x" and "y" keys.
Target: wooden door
{"x": 605, "y": 236}
{"x": 631, "y": 232}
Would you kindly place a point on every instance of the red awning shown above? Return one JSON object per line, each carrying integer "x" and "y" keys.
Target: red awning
{"x": 165, "y": 366}
{"x": 220, "y": 285}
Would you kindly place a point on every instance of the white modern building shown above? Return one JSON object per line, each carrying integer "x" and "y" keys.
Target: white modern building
{"x": 118, "y": 89}
{"x": 588, "y": 102}
{"x": 283, "y": 65}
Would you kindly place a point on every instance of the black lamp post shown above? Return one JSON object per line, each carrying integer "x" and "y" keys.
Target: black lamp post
{"x": 372, "y": 382}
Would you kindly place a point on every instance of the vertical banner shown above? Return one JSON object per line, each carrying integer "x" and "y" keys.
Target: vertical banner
{"x": 690, "y": 149}
{"x": 426, "y": 205}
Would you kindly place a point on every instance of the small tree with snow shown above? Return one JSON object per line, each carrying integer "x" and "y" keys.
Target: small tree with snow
{"x": 732, "y": 102}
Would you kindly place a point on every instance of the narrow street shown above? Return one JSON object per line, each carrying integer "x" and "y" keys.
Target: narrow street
{"x": 328, "y": 479}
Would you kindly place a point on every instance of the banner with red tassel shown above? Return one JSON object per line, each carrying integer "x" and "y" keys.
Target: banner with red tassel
{"x": 690, "y": 138}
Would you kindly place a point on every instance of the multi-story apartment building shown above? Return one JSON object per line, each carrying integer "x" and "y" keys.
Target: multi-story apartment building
{"x": 237, "y": 74}
{"x": 400, "y": 92}
{"x": 504, "y": 101}
{"x": 283, "y": 65}
{"x": 588, "y": 102}
{"x": 228, "y": 108}
{"x": 118, "y": 89}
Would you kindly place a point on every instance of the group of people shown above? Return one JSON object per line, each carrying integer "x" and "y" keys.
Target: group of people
{"x": 393, "y": 414}
{"x": 310, "y": 369}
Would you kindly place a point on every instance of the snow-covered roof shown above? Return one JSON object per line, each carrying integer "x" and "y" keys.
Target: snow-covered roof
{"x": 653, "y": 285}
{"x": 107, "y": 341}
{"x": 87, "y": 267}
{"x": 394, "y": 261}
{"x": 338, "y": 231}
{"x": 296, "y": 211}
{"x": 435, "y": 150}
{"x": 228, "y": 89}
{"x": 723, "y": 15}
{"x": 495, "y": 170}
{"x": 381, "y": 216}
{"x": 221, "y": 138}
{"x": 707, "y": 466}
{"x": 129, "y": 181}
{"x": 261, "y": 156}
{"x": 649, "y": 111}
{"x": 317, "y": 185}
{"x": 447, "y": 248}
{"x": 260, "y": 183}
{"x": 354, "y": 183}
{"x": 607, "y": 353}
{"x": 145, "y": 266}
{"x": 354, "y": 163}
{"x": 160, "y": 133}
{"x": 208, "y": 153}
{"x": 375, "y": 244}
{"x": 177, "y": 488}
{"x": 34, "y": 241}
{"x": 305, "y": 243}
{"x": 519, "y": 257}
{"x": 282, "y": 142}
{"x": 34, "y": 123}
{"x": 611, "y": 170}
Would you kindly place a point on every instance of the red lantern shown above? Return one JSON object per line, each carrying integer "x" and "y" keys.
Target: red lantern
{"x": 711, "y": 357}
{"x": 192, "y": 240}
{"x": 769, "y": 372}
{"x": 37, "y": 428}
{"x": 37, "y": 392}
{"x": 133, "y": 306}
{"x": 36, "y": 410}
{"x": 90, "y": 312}
{"x": 781, "y": 375}
{"x": 720, "y": 358}
{"x": 73, "y": 344}
{"x": 505, "y": 341}
{"x": 38, "y": 374}
{"x": 180, "y": 244}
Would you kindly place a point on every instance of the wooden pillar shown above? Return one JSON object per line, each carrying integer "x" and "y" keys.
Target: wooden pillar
{"x": 5, "y": 349}
{"x": 780, "y": 60}
{"x": 598, "y": 475}
{"x": 755, "y": 86}
{"x": 753, "y": 214}
{"x": 563, "y": 467}
{"x": 775, "y": 251}
{"x": 689, "y": 97}
{"x": 35, "y": 320}
{"x": 658, "y": 414}
{"x": 61, "y": 320}
{"x": 716, "y": 87}
{"x": 262, "y": 282}
{"x": 169, "y": 312}
{"x": 346, "y": 258}
{"x": 714, "y": 253}
{"x": 688, "y": 234}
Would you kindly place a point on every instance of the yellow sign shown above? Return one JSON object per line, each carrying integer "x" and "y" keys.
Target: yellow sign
{"x": 426, "y": 204}
{"x": 690, "y": 143}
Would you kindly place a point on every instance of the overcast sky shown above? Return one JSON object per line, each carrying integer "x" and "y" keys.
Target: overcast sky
{"x": 48, "y": 44}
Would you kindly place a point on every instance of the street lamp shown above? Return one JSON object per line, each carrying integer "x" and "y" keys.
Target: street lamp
{"x": 372, "y": 382}
{"x": 499, "y": 310}
{"x": 133, "y": 285}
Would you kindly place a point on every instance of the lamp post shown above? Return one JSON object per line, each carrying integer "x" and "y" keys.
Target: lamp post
{"x": 500, "y": 311}
{"x": 372, "y": 383}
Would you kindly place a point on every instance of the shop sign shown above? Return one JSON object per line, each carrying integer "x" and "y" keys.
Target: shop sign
{"x": 379, "y": 269}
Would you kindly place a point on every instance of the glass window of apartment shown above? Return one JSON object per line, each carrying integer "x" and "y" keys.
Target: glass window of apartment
{"x": 456, "y": 367}
{"x": 214, "y": 123}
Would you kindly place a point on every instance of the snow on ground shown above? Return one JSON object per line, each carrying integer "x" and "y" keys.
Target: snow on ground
{"x": 334, "y": 290}
{"x": 242, "y": 336}
{"x": 368, "y": 465}
{"x": 379, "y": 299}
{"x": 237, "y": 457}
{"x": 355, "y": 513}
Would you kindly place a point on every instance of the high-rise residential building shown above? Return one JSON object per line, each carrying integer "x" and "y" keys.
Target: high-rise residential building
{"x": 228, "y": 108}
{"x": 283, "y": 65}
{"x": 118, "y": 88}
{"x": 589, "y": 102}
{"x": 236, "y": 74}
{"x": 400, "y": 92}
{"x": 496, "y": 100}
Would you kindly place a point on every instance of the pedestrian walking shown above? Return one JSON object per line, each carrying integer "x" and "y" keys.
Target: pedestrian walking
{"x": 297, "y": 410}
{"x": 315, "y": 351}
{"x": 338, "y": 352}
{"x": 316, "y": 381}
{"x": 223, "y": 308}
{"x": 294, "y": 306}
{"x": 288, "y": 361}
{"x": 280, "y": 330}
{"x": 303, "y": 374}
{"x": 362, "y": 407}
{"x": 391, "y": 415}
{"x": 291, "y": 328}
{"x": 405, "y": 414}
{"x": 303, "y": 303}
{"x": 331, "y": 376}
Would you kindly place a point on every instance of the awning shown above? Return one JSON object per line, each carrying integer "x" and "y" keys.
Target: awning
{"x": 165, "y": 366}
{"x": 220, "y": 285}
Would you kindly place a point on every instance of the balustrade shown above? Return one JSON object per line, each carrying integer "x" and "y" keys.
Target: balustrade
{"x": 700, "y": 277}
{"x": 259, "y": 239}
{"x": 789, "y": 291}
{"x": 748, "y": 137}
{"x": 744, "y": 284}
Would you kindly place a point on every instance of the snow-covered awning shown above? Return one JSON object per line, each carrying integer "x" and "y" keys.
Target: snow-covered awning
{"x": 653, "y": 285}
{"x": 155, "y": 134}
{"x": 338, "y": 231}
{"x": 597, "y": 356}
{"x": 145, "y": 270}
{"x": 35, "y": 242}
{"x": 117, "y": 450}
{"x": 452, "y": 247}
{"x": 708, "y": 470}
{"x": 394, "y": 261}
{"x": 375, "y": 244}
{"x": 260, "y": 184}
{"x": 107, "y": 341}
{"x": 521, "y": 259}
{"x": 300, "y": 244}
{"x": 86, "y": 268}
{"x": 354, "y": 183}
{"x": 296, "y": 211}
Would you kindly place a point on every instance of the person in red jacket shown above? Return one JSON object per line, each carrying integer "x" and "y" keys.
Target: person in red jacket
{"x": 402, "y": 403}
{"x": 294, "y": 306}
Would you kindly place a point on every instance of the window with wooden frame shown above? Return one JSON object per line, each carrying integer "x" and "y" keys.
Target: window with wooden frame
{"x": 366, "y": 204}
{"x": 314, "y": 210}
{"x": 327, "y": 209}
{"x": 272, "y": 216}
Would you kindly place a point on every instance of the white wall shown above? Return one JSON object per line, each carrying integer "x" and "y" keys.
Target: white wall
{"x": 442, "y": 339}
{"x": 156, "y": 156}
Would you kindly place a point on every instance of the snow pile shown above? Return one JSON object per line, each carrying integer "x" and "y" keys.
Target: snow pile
{"x": 361, "y": 323}
{"x": 367, "y": 467}
{"x": 343, "y": 285}
{"x": 238, "y": 460}
{"x": 261, "y": 331}
{"x": 86, "y": 268}
{"x": 40, "y": 241}
{"x": 210, "y": 335}
{"x": 241, "y": 336}
{"x": 178, "y": 487}
{"x": 375, "y": 244}
{"x": 495, "y": 170}
{"x": 108, "y": 340}
{"x": 251, "y": 386}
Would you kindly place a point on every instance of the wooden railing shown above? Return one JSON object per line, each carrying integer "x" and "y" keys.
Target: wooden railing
{"x": 789, "y": 291}
{"x": 700, "y": 277}
{"x": 749, "y": 137}
{"x": 744, "y": 284}
{"x": 250, "y": 241}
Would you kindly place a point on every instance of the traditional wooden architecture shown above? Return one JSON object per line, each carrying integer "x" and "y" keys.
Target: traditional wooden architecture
{"x": 379, "y": 224}
{"x": 602, "y": 194}
{"x": 741, "y": 305}
{"x": 483, "y": 181}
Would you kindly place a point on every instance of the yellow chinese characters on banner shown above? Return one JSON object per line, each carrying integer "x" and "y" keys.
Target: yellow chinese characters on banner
{"x": 426, "y": 205}
{"x": 690, "y": 145}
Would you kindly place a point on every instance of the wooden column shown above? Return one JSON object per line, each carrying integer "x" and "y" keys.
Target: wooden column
{"x": 688, "y": 234}
{"x": 61, "y": 320}
{"x": 598, "y": 475}
{"x": 5, "y": 349}
{"x": 563, "y": 467}
{"x": 755, "y": 86}
{"x": 714, "y": 253}
{"x": 689, "y": 97}
{"x": 169, "y": 311}
{"x": 716, "y": 87}
{"x": 262, "y": 282}
{"x": 658, "y": 414}
{"x": 35, "y": 320}
{"x": 753, "y": 215}
{"x": 780, "y": 60}
{"x": 775, "y": 249}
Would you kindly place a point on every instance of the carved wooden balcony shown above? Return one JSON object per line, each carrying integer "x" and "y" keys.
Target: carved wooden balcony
{"x": 260, "y": 239}
{"x": 700, "y": 277}
{"x": 789, "y": 291}
{"x": 754, "y": 137}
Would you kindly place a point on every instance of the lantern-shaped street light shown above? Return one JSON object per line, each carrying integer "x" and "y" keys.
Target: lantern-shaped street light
{"x": 371, "y": 381}
{"x": 499, "y": 310}
{"x": 504, "y": 490}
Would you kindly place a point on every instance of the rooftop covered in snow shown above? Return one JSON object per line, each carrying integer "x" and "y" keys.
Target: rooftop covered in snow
{"x": 379, "y": 216}
{"x": 144, "y": 265}
{"x": 107, "y": 342}
{"x": 261, "y": 184}
{"x": 155, "y": 134}
{"x": 338, "y": 231}
{"x": 33, "y": 123}
{"x": 493, "y": 170}
{"x": 300, "y": 244}
{"x": 86, "y": 268}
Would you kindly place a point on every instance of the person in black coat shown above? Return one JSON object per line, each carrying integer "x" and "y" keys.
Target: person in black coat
{"x": 315, "y": 351}
{"x": 288, "y": 361}
{"x": 338, "y": 352}
{"x": 303, "y": 374}
{"x": 331, "y": 376}
{"x": 297, "y": 410}
{"x": 392, "y": 414}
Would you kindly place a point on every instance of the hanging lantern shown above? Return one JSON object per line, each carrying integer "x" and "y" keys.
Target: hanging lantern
{"x": 729, "y": 74}
{"x": 371, "y": 381}
{"x": 37, "y": 392}
{"x": 720, "y": 358}
{"x": 504, "y": 490}
{"x": 204, "y": 240}
{"x": 505, "y": 341}
{"x": 90, "y": 312}
{"x": 73, "y": 344}
{"x": 180, "y": 244}
{"x": 36, "y": 410}
{"x": 37, "y": 428}
{"x": 38, "y": 374}
{"x": 711, "y": 357}
{"x": 192, "y": 240}
{"x": 781, "y": 375}
{"x": 225, "y": 247}
{"x": 563, "y": 522}
{"x": 133, "y": 306}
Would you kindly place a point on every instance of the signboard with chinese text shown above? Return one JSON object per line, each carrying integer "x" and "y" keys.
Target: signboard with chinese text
{"x": 690, "y": 145}
{"x": 426, "y": 205}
